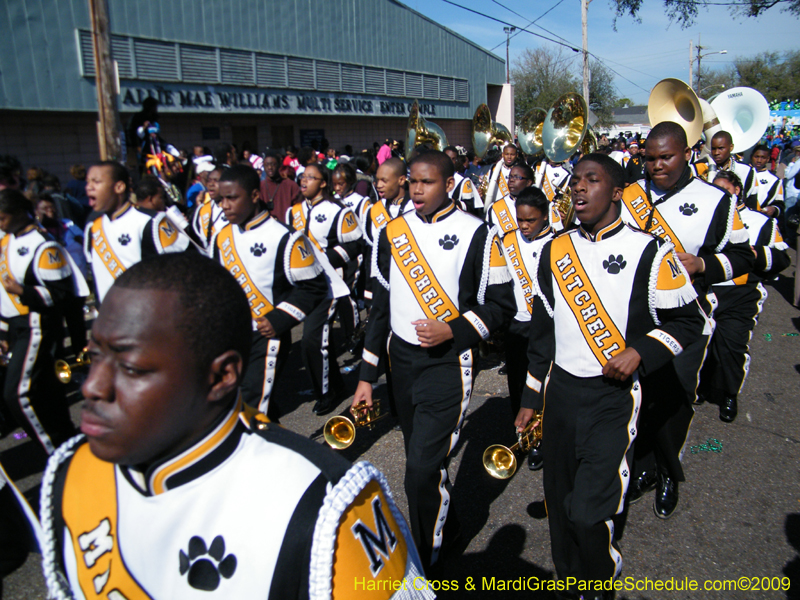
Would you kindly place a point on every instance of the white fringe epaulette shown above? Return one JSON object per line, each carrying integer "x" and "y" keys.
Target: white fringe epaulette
{"x": 376, "y": 272}
{"x": 58, "y": 587}
{"x": 323, "y": 545}
{"x": 303, "y": 273}
{"x": 773, "y": 238}
{"x": 664, "y": 299}
{"x": 491, "y": 275}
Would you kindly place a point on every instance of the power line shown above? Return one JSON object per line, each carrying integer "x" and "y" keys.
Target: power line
{"x": 529, "y": 24}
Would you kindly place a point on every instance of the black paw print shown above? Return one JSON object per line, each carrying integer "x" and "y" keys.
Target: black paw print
{"x": 614, "y": 264}
{"x": 321, "y": 218}
{"x": 23, "y": 251}
{"x": 633, "y": 431}
{"x": 688, "y": 209}
{"x": 204, "y": 573}
{"x": 124, "y": 239}
{"x": 625, "y": 473}
{"x": 449, "y": 242}
{"x": 466, "y": 373}
{"x": 258, "y": 249}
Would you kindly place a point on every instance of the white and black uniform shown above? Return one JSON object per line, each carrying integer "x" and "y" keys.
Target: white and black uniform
{"x": 378, "y": 215}
{"x": 180, "y": 529}
{"x": 498, "y": 183}
{"x": 354, "y": 272}
{"x": 283, "y": 281}
{"x": 746, "y": 174}
{"x": 550, "y": 179}
{"x": 49, "y": 279}
{"x": 116, "y": 242}
{"x": 596, "y": 296}
{"x": 770, "y": 191}
{"x": 503, "y": 214}
{"x": 207, "y": 220}
{"x": 447, "y": 266}
{"x": 466, "y": 195}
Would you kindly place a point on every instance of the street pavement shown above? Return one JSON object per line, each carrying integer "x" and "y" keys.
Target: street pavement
{"x": 738, "y": 518}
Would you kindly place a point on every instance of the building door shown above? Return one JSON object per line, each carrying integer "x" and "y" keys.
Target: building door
{"x": 282, "y": 136}
{"x": 248, "y": 134}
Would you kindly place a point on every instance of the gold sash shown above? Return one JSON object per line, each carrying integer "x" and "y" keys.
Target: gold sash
{"x": 259, "y": 305}
{"x": 502, "y": 214}
{"x": 636, "y": 202}
{"x": 90, "y": 514}
{"x": 5, "y": 271}
{"x": 379, "y": 215}
{"x": 599, "y": 331}
{"x": 430, "y": 294}
{"x": 546, "y": 187}
{"x": 513, "y": 253}
{"x": 502, "y": 184}
{"x": 103, "y": 250}
{"x": 298, "y": 218}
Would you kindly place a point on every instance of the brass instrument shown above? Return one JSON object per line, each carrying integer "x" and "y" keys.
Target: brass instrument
{"x": 340, "y": 432}
{"x": 565, "y": 127}
{"x": 64, "y": 369}
{"x": 589, "y": 143}
{"x": 563, "y": 203}
{"x": 529, "y": 131}
{"x": 500, "y": 462}
{"x": 486, "y": 134}
{"x": 744, "y": 113}
{"x": 5, "y": 358}
{"x": 419, "y": 131}
{"x": 673, "y": 100}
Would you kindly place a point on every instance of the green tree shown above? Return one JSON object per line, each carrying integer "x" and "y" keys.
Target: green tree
{"x": 686, "y": 11}
{"x": 602, "y": 94}
{"x": 540, "y": 76}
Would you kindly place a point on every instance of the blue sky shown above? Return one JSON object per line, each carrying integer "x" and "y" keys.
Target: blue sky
{"x": 642, "y": 52}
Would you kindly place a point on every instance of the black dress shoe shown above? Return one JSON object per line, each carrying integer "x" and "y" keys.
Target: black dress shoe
{"x": 328, "y": 403}
{"x": 503, "y": 370}
{"x": 728, "y": 409}
{"x": 641, "y": 485}
{"x": 666, "y": 496}
{"x": 535, "y": 459}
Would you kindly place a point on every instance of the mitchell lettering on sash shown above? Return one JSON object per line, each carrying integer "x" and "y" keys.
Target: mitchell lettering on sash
{"x": 104, "y": 251}
{"x": 502, "y": 213}
{"x": 259, "y": 305}
{"x": 512, "y": 251}
{"x": 641, "y": 209}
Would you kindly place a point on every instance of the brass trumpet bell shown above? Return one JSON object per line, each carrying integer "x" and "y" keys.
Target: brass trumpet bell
{"x": 529, "y": 131}
{"x": 501, "y": 462}
{"x": 64, "y": 369}
{"x": 486, "y": 134}
{"x": 565, "y": 127}
{"x": 340, "y": 432}
{"x": 419, "y": 131}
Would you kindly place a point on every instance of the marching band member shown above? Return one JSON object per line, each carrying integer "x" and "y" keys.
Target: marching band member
{"x": 610, "y": 301}
{"x": 552, "y": 178}
{"x": 701, "y": 221}
{"x": 721, "y": 150}
{"x": 278, "y": 271}
{"x": 502, "y": 214}
{"x": 120, "y": 235}
{"x": 464, "y": 193}
{"x": 208, "y": 218}
{"x": 498, "y": 176}
{"x": 634, "y": 168}
{"x": 770, "y": 188}
{"x": 441, "y": 287}
{"x": 149, "y": 504}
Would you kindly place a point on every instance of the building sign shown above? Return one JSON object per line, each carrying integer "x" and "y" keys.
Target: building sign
{"x": 217, "y": 99}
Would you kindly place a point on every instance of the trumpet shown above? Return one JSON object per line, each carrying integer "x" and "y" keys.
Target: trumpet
{"x": 340, "y": 432}
{"x": 64, "y": 369}
{"x": 500, "y": 461}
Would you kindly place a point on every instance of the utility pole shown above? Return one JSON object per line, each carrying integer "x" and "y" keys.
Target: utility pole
{"x": 508, "y": 31}
{"x": 108, "y": 128}
{"x": 584, "y": 26}
{"x": 699, "y": 74}
{"x": 691, "y": 61}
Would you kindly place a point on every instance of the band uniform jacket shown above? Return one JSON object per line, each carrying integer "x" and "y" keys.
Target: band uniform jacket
{"x": 746, "y": 174}
{"x": 448, "y": 266}
{"x": 503, "y": 214}
{"x": 634, "y": 169}
{"x": 597, "y": 295}
{"x": 498, "y": 183}
{"x": 276, "y": 268}
{"x": 116, "y": 242}
{"x": 521, "y": 256}
{"x": 358, "y": 204}
{"x": 250, "y": 511}
{"x": 770, "y": 191}
{"x": 207, "y": 220}
{"x": 696, "y": 217}
{"x": 550, "y": 179}
{"x": 375, "y": 219}
{"x": 466, "y": 195}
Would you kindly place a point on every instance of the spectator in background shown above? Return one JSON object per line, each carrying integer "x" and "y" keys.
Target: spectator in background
{"x": 306, "y": 156}
{"x": 291, "y": 158}
{"x": 76, "y": 188}
{"x": 64, "y": 231}
{"x": 254, "y": 160}
{"x": 287, "y": 173}
{"x": 385, "y": 151}
{"x": 10, "y": 173}
{"x": 201, "y": 169}
{"x": 225, "y": 155}
{"x": 277, "y": 192}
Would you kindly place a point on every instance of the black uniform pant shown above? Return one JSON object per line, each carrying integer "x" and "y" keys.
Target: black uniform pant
{"x": 319, "y": 357}
{"x": 516, "y": 345}
{"x": 432, "y": 388}
{"x": 267, "y": 359}
{"x": 588, "y": 429}
{"x": 736, "y": 315}
{"x": 32, "y": 393}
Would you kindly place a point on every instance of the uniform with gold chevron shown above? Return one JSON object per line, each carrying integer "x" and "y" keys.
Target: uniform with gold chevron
{"x": 358, "y": 204}
{"x": 466, "y": 195}
{"x": 49, "y": 278}
{"x": 116, "y": 242}
{"x": 284, "y": 283}
{"x": 447, "y": 266}
{"x": 498, "y": 183}
{"x": 207, "y": 220}
{"x": 503, "y": 214}
{"x": 331, "y": 528}
{"x": 770, "y": 191}
{"x": 595, "y": 297}
{"x": 746, "y": 174}
{"x": 550, "y": 178}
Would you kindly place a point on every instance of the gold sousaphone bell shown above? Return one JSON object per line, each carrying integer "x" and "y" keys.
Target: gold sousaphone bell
{"x": 340, "y": 432}
{"x": 487, "y": 134}
{"x": 673, "y": 100}
{"x": 64, "y": 369}
{"x": 500, "y": 461}
{"x": 529, "y": 131}
{"x": 419, "y": 131}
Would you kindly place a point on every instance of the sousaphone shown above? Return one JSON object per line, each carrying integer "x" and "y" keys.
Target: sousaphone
{"x": 529, "y": 131}
{"x": 565, "y": 127}
{"x": 744, "y": 113}
{"x": 486, "y": 134}
{"x": 673, "y": 100}
{"x": 420, "y": 131}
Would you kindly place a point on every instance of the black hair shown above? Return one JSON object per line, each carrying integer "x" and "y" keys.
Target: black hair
{"x": 347, "y": 171}
{"x": 148, "y": 185}
{"x": 327, "y": 191}
{"x": 760, "y": 148}
{"x": 221, "y": 153}
{"x": 535, "y": 198}
{"x": 13, "y": 202}
{"x": 438, "y": 159}
{"x": 729, "y": 176}
{"x": 451, "y": 148}
{"x": 525, "y": 168}
{"x": 215, "y": 316}
{"x": 723, "y": 135}
{"x": 118, "y": 173}
{"x": 363, "y": 162}
{"x": 51, "y": 181}
{"x": 669, "y": 129}
{"x": 397, "y": 165}
{"x": 245, "y": 175}
{"x": 612, "y": 168}
{"x": 305, "y": 155}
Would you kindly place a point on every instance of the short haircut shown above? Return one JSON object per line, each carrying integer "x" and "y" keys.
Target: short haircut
{"x": 451, "y": 148}
{"x": 214, "y": 315}
{"x": 148, "y": 185}
{"x": 51, "y": 181}
{"x": 729, "y": 176}
{"x": 612, "y": 168}
{"x": 669, "y": 129}
{"x": 398, "y": 166}
{"x": 245, "y": 175}
{"x": 525, "y": 169}
{"x": 536, "y": 198}
{"x": 437, "y": 159}
{"x": 306, "y": 154}
{"x": 723, "y": 135}
{"x": 118, "y": 173}
{"x": 514, "y": 146}
{"x": 347, "y": 171}
{"x": 760, "y": 148}
{"x": 14, "y": 202}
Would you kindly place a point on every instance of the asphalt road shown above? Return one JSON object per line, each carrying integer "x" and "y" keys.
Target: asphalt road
{"x": 738, "y": 517}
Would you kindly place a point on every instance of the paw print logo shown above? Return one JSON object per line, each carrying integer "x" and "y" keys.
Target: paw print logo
{"x": 206, "y": 565}
{"x": 321, "y": 218}
{"x": 688, "y": 209}
{"x": 466, "y": 373}
{"x": 614, "y": 264}
{"x": 23, "y": 251}
{"x": 258, "y": 249}
{"x": 633, "y": 431}
{"x": 449, "y": 242}
{"x": 625, "y": 473}
{"x": 124, "y": 239}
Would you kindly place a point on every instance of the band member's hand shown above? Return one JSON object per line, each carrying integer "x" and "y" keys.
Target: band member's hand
{"x": 693, "y": 264}
{"x": 363, "y": 394}
{"x": 11, "y": 286}
{"x": 265, "y": 328}
{"x": 524, "y": 417}
{"x": 431, "y": 332}
{"x": 771, "y": 211}
{"x": 623, "y": 365}
{"x": 4, "y": 346}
